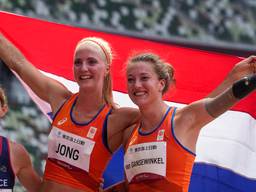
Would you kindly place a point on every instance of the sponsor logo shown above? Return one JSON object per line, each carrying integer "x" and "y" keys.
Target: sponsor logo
{"x": 133, "y": 140}
{"x": 60, "y": 122}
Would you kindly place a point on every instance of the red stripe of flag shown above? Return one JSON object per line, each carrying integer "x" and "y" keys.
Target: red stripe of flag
{"x": 49, "y": 46}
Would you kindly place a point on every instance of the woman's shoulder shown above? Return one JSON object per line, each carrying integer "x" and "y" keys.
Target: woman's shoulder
{"x": 125, "y": 110}
{"x": 127, "y": 113}
{"x": 17, "y": 149}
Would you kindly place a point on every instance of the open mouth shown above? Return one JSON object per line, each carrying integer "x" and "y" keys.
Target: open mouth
{"x": 85, "y": 77}
{"x": 139, "y": 93}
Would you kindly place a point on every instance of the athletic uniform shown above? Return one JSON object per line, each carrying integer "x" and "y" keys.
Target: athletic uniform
{"x": 77, "y": 152}
{"x": 156, "y": 161}
{"x": 7, "y": 176}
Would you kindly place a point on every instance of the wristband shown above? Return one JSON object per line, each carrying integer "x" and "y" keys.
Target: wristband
{"x": 244, "y": 86}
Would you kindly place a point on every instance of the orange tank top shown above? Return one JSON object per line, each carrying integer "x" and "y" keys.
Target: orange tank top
{"x": 77, "y": 155}
{"x": 156, "y": 161}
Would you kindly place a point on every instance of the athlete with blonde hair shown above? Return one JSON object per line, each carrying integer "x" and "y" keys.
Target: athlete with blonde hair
{"x": 87, "y": 126}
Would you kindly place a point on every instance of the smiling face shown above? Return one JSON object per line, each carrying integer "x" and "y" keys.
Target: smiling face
{"x": 143, "y": 84}
{"x": 89, "y": 67}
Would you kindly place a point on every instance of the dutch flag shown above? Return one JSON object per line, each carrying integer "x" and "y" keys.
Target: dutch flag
{"x": 226, "y": 149}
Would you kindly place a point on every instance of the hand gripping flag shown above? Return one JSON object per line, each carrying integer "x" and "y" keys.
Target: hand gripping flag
{"x": 226, "y": 149}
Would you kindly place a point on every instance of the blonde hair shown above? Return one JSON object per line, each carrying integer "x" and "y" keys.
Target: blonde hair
{"x": 104, "y": 48}
{"x": 3, "y": 97}
{"x": 164, "y": 70}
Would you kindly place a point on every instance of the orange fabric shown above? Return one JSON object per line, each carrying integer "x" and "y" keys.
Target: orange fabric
{"x": 100, "y": 156}
{"x": 179, "y": 161}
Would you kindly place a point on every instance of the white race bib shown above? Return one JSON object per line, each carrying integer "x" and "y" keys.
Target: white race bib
{"x": 70, "y": 148}
{"x": 5, "y": 190}
{"x": 145, "y": 161}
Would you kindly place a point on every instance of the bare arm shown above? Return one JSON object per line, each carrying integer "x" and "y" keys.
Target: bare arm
{"x": 243, "y": 68}
{"x": 119, "y": 121}
{"x": 190, "y": 119}
{"x": 39, "y": 83}
{"x": 23, "y": 168}
{"x": 219, "y": 101}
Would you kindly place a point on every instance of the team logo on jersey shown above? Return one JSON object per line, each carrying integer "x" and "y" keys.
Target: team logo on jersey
{"x": 91, "y": 133}
{"x": 3, "y": 169}
{"x": 160, "y": 135}
{"x": 60, "y": 122}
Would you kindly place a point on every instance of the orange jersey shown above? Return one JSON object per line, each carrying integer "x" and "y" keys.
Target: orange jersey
{"x": 77, "y": 155}
{"x": 156, "y": 161}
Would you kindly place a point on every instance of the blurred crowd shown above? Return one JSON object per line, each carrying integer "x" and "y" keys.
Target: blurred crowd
{"x": 203, "y": 20}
